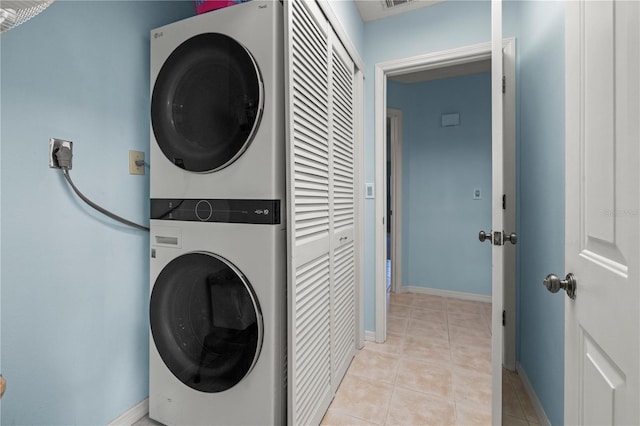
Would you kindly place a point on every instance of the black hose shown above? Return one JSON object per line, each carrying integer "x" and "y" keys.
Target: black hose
{"x": 105, "y": 212}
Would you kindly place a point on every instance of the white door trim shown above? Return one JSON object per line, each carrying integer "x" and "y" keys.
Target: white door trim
{"x": 395, "y": 117}
{"x": 383, "y": 70}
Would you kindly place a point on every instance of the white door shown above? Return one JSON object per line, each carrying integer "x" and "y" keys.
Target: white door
{"x": 497, "y": 213}
{"x": 602, "y": 323}
{"x": 341, "y": 184}
{"x": 308, "y": 213}
{"x": 320, "y": 211}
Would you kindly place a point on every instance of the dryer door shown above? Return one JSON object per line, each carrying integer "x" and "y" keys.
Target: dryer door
{"x": 205, "y": 321}
{"x": 207, "y": 103}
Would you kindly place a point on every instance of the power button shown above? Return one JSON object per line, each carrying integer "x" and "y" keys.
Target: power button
{"x": 204, "y": 210}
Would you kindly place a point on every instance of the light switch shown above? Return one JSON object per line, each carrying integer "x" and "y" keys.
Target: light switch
{"x": 368, "y": 190}
{"x": 477, "y": 194}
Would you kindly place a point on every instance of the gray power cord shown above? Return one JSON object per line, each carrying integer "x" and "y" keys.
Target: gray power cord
{"x": 63, "y": 155}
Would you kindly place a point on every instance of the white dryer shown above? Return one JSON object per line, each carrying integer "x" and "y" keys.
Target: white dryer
{"x": 217, "y": 315}
{"x": 217, "y": 105}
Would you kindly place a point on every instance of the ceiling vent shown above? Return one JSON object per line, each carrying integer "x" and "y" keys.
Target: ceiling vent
{"x": 394, "y": 3}
{"x": 370, "y": 10}
{"x": 15, "y": 12}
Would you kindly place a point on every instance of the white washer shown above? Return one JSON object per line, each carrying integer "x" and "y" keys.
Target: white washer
{"x": 217, "y": 105}
{"x": 218, "y": 323}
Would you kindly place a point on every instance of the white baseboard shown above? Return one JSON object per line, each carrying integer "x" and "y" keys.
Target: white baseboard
{"x": 446, "y": 293}
{"x": 369, "y": 336}
{"x": 132, "y": 415}
{"x": 542, "y": 416}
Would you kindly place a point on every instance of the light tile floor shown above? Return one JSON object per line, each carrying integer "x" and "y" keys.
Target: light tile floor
{"x": 434, "y": 369}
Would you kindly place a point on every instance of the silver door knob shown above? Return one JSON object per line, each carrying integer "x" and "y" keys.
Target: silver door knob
{"x": 483, "y": 236}
{"x": 513, "y": 238}
{"x": 554, "y": 284}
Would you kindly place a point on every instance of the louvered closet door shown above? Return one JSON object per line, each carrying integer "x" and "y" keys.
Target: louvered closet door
{"x": 320, "y": 201}
{"x": 342, "y": 219}
{"x": 309, "y": 245}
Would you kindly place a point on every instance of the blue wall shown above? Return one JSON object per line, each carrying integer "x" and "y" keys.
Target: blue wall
{"x": 541, "y": 197}
{"x": 441, "y": 168}
{"x": 539, "y": 29}
{"x": 74, "y": 284}
{"x": 440, "y": 27}
{"x": 349, "y": 18}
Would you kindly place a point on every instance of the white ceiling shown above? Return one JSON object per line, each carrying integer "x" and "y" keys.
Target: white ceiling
{"x": 371, "y": 10}
{"x": 475, "y": 67}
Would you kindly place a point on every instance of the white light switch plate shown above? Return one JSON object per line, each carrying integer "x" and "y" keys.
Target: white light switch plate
{"x": 368, "y": 190}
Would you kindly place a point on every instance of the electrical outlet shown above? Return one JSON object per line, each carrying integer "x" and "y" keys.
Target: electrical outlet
{"x": 54, "y": 146}
{"x": 136, "y": 156}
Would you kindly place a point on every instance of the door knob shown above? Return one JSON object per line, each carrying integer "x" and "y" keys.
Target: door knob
{"x": 513, "y": 237}
{"x": 554, "y": 284}
{"x": 483, "y": 236}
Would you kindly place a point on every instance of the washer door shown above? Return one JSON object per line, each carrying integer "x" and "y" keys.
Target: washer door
{"x": 205, "y": 321}
{"x": 207, "y": 103}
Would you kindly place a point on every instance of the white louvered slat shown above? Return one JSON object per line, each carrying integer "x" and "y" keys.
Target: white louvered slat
{"x": 310, "y": 128}
{"x": 344, "y": 305}
{"x": 343, "y": 137}
{"x": 312, "y": 336}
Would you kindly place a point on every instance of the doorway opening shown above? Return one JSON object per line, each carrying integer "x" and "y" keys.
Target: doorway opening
{"x": 459, "y": 61}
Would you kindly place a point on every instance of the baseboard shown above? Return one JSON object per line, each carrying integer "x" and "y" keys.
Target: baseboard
{"x": 132, "y": 415}
{"x": 537, "y": 405}
{"x": 446, "y": 293}
{"x": 369, "y": 336}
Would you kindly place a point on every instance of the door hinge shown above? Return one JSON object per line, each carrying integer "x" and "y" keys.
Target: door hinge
{"x": 504, "y": 318}
{"x": 504, "y": 84}
{"x": 504, "y": 201}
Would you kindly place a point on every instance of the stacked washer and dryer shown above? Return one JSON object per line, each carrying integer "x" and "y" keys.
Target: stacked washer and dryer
{"x": 218, "y": 237}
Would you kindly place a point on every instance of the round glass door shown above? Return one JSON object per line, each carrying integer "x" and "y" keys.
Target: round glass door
{"x": 207, "y": 103}
{"x": 205, "y": 321}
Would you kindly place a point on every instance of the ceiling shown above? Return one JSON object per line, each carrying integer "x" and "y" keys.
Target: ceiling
{"x": 371, "y": 10}
{"x": 475, "y": 67}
